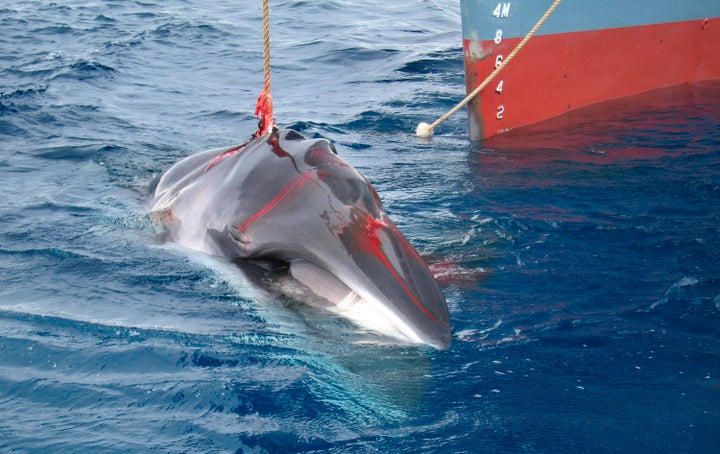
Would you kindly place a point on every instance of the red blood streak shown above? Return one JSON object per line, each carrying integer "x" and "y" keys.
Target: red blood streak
{"x": 223, "y": 156}
{"x": 373, "y": 246}
{"x": 288, "y": 190}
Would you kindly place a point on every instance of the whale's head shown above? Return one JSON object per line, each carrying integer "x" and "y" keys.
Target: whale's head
{"x": 292, "y": 199}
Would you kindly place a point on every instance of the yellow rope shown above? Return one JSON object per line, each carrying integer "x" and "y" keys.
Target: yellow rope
{"x": 264, "y": 106}
{"x": 426, "y": 130}
{"x": 266, "y": 41}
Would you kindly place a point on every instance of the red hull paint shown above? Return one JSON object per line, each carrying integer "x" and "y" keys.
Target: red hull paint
{"x": 556, "y": 73}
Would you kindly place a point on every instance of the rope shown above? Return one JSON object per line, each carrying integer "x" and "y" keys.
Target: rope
{"x": 426, "y": 130}
{"x": 266, "y": 43}
{"x": 264, "y": 107}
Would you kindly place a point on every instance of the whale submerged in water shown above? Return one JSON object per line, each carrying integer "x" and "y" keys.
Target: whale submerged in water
{"x": 292, "y": 201}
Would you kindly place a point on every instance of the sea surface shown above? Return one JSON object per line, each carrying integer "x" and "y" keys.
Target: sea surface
{"x": 580, "y": 259}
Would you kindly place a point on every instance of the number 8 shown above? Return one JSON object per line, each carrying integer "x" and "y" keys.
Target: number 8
{"x": 498, "y": 36}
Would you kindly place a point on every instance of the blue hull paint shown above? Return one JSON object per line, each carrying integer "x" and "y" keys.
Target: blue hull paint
{"x": 480, "y": 21}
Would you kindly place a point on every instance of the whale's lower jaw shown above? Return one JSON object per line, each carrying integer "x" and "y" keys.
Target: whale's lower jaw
{"x": 345, "y": 302}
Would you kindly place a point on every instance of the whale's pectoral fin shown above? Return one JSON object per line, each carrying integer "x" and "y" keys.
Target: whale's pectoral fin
{"x": 231, "y": 241}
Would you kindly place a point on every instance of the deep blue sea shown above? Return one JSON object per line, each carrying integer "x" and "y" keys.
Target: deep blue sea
{"x": 580, "y": 259}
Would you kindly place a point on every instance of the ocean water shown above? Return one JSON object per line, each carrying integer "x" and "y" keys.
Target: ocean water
{"x": 580, "y": 259}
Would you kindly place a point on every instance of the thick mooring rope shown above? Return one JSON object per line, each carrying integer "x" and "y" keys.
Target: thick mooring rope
{"x": 426, "y": 130}
{"x": 264, "y": 107}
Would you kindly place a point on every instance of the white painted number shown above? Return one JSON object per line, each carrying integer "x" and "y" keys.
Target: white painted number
{"x": 502, "y": 10}
{"x": 498, "y": 61}
{"x": 498, "y": 36}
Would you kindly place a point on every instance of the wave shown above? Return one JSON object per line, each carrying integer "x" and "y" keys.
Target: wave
{"x": 185, "y": 34}
{"x": 440, "y": 63}
{"x": 46, "y": 252}
{"x": 379, "y": 122}
{"x": 44, "y": 69}
{"x": 21, "y": 93}
{"x": 222, "y": 115}
{"x": 74, "y": 153}
{"x": 84, "y": 70}
{"x": 353, "y": 54}
{"x": 317, "y": 130}
{"x": 692, "y": 303}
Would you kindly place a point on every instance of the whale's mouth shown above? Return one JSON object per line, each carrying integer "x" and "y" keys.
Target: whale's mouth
{"x": 333, "y": 295}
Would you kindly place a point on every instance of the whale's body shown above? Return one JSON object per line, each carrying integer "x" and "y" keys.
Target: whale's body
{"x": 290, "y": 200}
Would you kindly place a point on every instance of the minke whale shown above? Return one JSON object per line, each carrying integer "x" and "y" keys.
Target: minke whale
{"x": 291, "y": 201}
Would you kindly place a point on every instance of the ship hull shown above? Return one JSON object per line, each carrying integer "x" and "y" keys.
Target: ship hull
{"x": 584, "y": 53}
